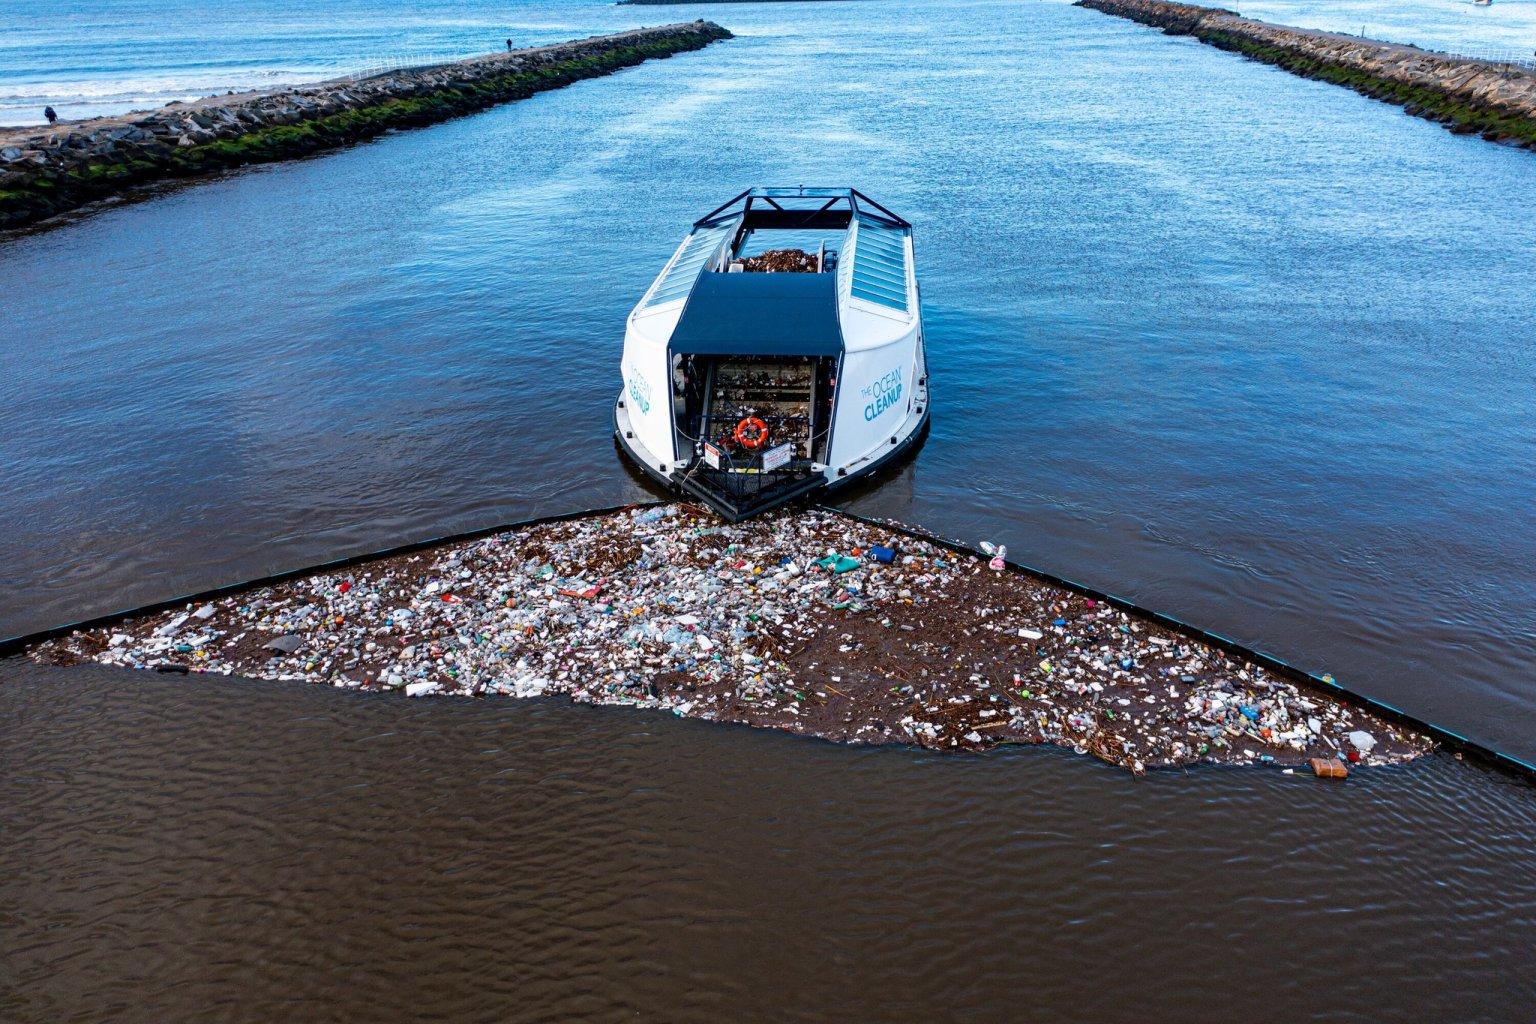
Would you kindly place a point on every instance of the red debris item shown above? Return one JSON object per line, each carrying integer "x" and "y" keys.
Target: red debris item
{"x": 588, "y": 593}
{"x": 450, "y": 599}
{"x": 344, "y": 587}
{"x": 1354, "y": 757}
{"x": 1328, "y": 768}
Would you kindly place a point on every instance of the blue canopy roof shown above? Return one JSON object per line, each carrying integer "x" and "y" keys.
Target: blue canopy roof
{"x": 759, "y": 314}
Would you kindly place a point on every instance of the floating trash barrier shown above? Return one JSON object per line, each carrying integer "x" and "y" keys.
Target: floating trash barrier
{"x": 814, "y": 621}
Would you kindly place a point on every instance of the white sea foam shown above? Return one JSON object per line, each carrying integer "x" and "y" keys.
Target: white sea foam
{"x": 86, "y": 59}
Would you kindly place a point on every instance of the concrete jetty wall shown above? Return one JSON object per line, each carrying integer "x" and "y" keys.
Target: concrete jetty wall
{"x": 44, "y": 172}
{"x": 1497, "y": 101}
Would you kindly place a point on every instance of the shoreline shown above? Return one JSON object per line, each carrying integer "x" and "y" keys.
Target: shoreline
{"x": 1468, "y": 97}
{"x": 793, "y": 621}
{"x": 50, "y": 171}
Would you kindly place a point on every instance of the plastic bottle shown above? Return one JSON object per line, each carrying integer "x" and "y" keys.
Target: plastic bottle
{"x": 653, "y": 515}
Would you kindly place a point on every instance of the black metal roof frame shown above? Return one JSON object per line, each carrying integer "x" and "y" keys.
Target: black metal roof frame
{"x": 761, "y": 208}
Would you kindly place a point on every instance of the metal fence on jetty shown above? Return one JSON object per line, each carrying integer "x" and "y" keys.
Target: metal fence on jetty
{"x": 381, "y": 64}
{"x": 1490, "y": 55}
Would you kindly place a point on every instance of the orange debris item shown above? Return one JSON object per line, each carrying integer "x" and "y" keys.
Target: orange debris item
{"x": 1328, "y": 768}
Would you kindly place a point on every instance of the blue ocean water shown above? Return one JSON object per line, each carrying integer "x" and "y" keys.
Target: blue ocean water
{"x": 93, "y": 57}
{"x": 1251, "y": 349}
{"x": 103, "y": 56}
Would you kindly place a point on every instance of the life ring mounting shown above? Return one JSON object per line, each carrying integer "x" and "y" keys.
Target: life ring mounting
{"x": 751, "y": 433}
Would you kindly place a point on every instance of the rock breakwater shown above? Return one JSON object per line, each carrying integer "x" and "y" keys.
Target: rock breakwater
{"x": 1496, "y": 101}
{"x": 811, "y": 622}
{"x": 43, "y": 173}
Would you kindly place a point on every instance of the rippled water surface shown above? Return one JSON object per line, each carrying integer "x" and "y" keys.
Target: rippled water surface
{"x": 219, "y": 850}
{"x": 1249, "y": 349}
{"x": 92, "y": 57}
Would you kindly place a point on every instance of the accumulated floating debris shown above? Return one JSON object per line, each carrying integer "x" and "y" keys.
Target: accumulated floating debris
{"x": 807, "y": 621}
{"x": 782, "y": 261}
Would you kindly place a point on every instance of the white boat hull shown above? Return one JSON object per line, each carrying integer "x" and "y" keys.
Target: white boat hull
{"x": 755, "y": 375}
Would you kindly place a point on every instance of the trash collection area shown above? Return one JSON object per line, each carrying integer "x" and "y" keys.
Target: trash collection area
{"x": 808, "y": 621}
{"x": 783, "y": 261}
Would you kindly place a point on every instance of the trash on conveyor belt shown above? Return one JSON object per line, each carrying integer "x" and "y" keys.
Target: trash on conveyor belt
{"x": 781, "y": 261}
{"x": 807, "y": 621}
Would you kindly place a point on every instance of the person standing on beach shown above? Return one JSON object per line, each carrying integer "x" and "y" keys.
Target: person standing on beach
{"x": 51, "y": 114}
{"x": 509, "y": 46}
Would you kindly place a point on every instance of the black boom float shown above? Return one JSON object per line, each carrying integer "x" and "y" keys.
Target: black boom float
{"x": 1455, "y": 742}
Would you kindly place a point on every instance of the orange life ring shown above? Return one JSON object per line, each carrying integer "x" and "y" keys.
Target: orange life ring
{"x": 751, "y": 432}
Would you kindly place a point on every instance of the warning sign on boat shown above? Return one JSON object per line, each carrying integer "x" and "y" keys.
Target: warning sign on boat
{"x": 774, "y": 458}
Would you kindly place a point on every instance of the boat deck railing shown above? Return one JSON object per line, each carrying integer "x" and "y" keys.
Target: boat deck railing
{"x": 740, "y": 485}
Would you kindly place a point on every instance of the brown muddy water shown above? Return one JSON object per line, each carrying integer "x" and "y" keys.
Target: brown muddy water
{"x": 215, "y": 849}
